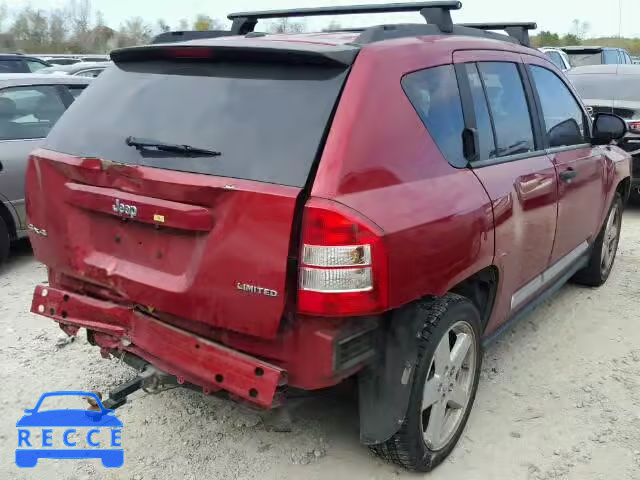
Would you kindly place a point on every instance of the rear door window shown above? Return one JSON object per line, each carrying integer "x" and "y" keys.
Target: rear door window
{"x": 563, "y": 117}
{"x": 486, "y": 140}
{"x": 508, "y": 108}
{"x": 268, "y": 120}
{"x": 29, "y": 112}
{"x": 434, "y": 95}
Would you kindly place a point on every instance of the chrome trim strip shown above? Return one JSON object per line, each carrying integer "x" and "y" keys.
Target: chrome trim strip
{"x": 550, "y": 274}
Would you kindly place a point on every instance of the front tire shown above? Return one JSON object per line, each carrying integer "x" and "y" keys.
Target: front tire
{"x": 605, "y": 246}
{"x": 444, "y": 385}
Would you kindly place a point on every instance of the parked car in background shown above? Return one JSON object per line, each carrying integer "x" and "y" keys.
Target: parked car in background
{"x": 80, "y": 69}
{"x": 614, "y": 89}
{"x": 61, "y": 60}
{"x": 30, "y": 104}
{"x": 16, "y": 63}
{"x": 558, "y": 57}
{"x": 94, "y": 58}
{"x": 582, "y": 55}
{"x": 293, "y": 230}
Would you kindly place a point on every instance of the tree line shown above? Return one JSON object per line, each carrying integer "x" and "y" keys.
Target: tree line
{"x": 579, "y": 35}
{"x": 79, "y": 28}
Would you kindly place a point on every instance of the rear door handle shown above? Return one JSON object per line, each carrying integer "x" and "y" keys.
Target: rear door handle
{"x": 568, "y": 175}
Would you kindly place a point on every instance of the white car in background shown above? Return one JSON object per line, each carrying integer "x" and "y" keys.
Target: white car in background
{"x": 558, "y": 57}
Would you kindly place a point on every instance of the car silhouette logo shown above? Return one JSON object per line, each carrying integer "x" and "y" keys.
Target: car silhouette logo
{"x": 103, "y": 434}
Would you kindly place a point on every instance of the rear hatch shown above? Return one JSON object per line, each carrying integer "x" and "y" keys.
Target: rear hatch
{"x": 198, "y": 235}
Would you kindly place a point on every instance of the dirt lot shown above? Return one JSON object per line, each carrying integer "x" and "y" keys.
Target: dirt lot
{"x": 559, "y": 399}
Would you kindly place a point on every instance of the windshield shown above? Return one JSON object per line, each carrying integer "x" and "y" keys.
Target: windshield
{"x": 267, "y": 120}
{"x": 582, "y": 59}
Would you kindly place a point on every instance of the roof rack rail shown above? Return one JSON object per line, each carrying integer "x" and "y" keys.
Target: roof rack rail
{"x": 435, "y": 12}
{"x": 517, "y": 30}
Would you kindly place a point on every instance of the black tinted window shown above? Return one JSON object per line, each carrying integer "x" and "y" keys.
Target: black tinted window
{"x": 12, "y": 66}
{"x": 563, "y": 116}
{"x": 268, "y": 120}
{"x": 28, "y": 112}
{"x": 434, "y": 95}
{"x": 486, "y": 140}
{"x": 508, "y": 107}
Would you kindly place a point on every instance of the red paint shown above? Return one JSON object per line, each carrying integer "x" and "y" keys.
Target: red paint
{"x": 433, "y": 226}
{"x": 178, "y": 268}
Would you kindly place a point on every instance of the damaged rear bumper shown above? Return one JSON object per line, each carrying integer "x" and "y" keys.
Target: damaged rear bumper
{"x": 190, "y": 358}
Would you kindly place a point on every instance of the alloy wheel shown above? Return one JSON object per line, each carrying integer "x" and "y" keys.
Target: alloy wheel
{"x": 449, "y": 384}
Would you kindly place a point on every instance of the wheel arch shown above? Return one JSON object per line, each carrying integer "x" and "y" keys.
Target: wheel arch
{"x": 9, "y": 221}
{"x": 624, "y": 189}
{"x": 481, "y": 289}
{"x": 385, "y": 384}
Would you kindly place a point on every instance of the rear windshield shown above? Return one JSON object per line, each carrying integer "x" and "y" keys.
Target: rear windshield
{"x": 607, "y": 87}
{"x": 582, "y": 59}
{"x": 267, "y": 120}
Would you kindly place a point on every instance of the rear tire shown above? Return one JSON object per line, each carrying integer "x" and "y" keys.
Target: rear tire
{"x": 5, "y": 241}
{"x": 444, "y": 385}
{"x": 603, "y": 251}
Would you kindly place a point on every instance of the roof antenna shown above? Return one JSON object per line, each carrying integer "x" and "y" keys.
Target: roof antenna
{"x": 440, "y": 15}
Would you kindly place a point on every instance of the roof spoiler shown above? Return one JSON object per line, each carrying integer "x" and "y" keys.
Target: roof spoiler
{"x": 517, "y": 30}
{"x": 234, "y": 51}
{"x": 435, "y": 12}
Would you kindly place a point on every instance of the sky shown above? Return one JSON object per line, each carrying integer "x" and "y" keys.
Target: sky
{"x": 554, "y": 15}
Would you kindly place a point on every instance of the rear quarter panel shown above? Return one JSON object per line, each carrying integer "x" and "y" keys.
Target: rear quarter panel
{"x": 14, "y": 155}
{"x": 380, "y": 160}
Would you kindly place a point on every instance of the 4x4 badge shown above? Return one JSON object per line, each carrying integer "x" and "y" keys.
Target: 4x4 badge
{"x": 124, "y": 209}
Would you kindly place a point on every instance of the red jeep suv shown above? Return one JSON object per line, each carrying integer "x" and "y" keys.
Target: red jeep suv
{"x": 254, "y": 213}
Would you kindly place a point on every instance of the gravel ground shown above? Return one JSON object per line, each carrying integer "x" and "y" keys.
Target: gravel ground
{"x": 559, "y": 398}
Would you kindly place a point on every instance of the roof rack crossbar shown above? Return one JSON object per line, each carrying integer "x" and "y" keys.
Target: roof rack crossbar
{"x": 436, "y": 12}
{"x": 517, "y": 30}
{"x": 441, "y": 17}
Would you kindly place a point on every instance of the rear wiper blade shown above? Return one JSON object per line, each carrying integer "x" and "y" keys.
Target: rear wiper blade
{"x": 146, "y": 143}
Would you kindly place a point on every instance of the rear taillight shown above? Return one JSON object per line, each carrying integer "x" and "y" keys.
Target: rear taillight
{"x": 634, "y": 125}
{"x": 343, "y": 263}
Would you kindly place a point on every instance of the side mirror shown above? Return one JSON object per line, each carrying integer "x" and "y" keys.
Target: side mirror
{"x": 606, "y": 128}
